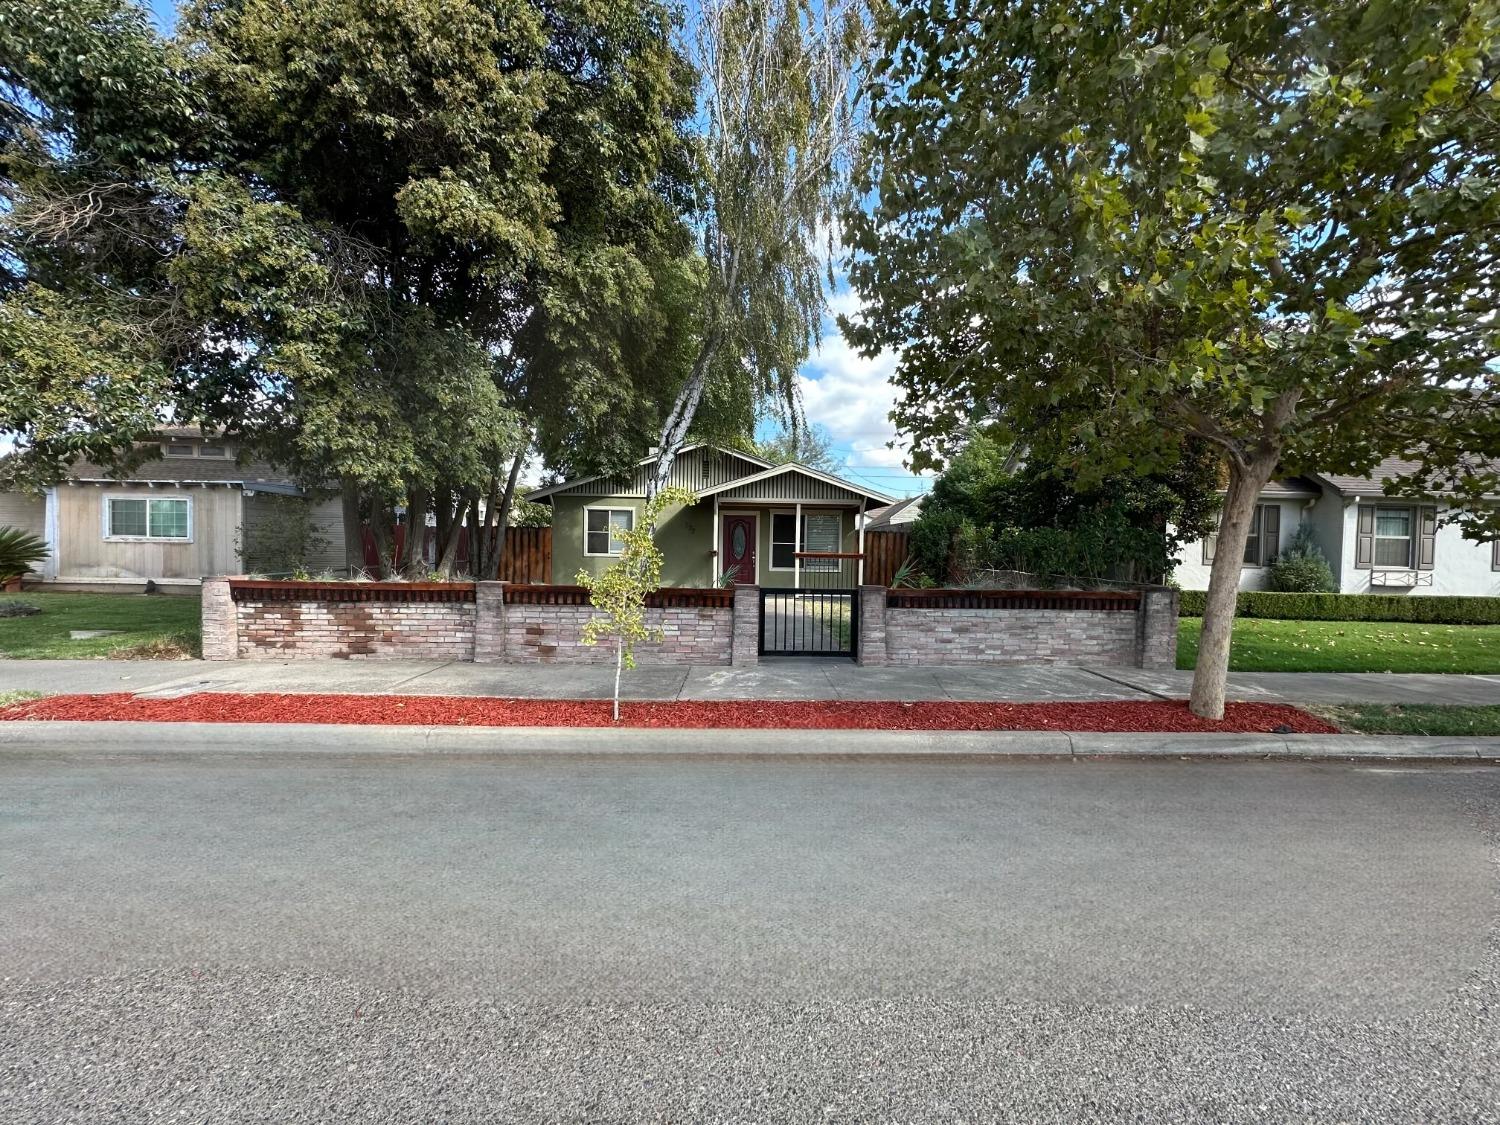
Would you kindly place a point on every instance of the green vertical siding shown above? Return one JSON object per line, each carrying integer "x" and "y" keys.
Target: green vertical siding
{"x": 685, "y": 537}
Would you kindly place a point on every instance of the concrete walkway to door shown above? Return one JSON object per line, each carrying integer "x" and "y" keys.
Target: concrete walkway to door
{"x": 775, "y": 678}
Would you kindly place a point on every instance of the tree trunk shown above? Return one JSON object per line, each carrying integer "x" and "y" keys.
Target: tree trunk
{"x": 354, "y": 537}
{"x": 448, "y": 545}
{"x": 507, "y": 498}
{"x": 380, "y": 532}
{"x": 619, "y": 666}
{"x": 679, "y": 420}
{"x": 414, "y": 560}
{"x": 1212, "y": 671}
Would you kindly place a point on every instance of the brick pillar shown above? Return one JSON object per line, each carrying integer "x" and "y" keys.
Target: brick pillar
{"x": 744, "y": 650}
{"x": 221, "y": 633}
{"x": 1156, "y": 628}
{"x": 489, "y": 623}
{"x": 871, "y": 625}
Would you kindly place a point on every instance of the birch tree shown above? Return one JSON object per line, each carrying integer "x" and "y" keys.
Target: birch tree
{"x": 779, "y": 118}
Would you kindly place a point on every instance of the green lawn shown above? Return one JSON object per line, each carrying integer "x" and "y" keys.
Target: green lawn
{"x": 1263, "y": 645}
{"x": 1415, "y": 718}
{"x": 146, "y": 625}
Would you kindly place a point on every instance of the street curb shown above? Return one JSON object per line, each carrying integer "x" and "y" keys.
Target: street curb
{"x": 134, "y": 740}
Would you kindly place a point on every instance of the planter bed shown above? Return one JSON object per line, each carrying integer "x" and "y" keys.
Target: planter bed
{"x": 384, "y": 710}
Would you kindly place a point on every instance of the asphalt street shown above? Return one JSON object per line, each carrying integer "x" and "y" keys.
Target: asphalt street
{"x": 341, "y": 937}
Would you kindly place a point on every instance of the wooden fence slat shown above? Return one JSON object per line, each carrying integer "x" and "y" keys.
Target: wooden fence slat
{"x": 885, "y": 551}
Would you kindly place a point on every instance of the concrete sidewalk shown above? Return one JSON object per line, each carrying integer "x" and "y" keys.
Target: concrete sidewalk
{"x": 773, "y": 679}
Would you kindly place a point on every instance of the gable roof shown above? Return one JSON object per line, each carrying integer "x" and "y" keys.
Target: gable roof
{"x": 161, "y": 469}
{"x": 899, "y": 514}
{"x": 815, "y": 485}
{"x": 618, "y": 484}
{"x": 1346, "y": 484}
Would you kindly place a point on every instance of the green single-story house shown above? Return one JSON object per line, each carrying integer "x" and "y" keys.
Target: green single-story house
{"x": 771, "y": 525}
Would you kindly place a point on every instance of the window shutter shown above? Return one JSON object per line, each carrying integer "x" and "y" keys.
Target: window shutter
{"x": 1364, "y": 540}
{"x": 1495, "y": 555}
{"x": 1270, "y": 534}
{"x": 1427, "y": 542}
{"x": 1212, "y": 538}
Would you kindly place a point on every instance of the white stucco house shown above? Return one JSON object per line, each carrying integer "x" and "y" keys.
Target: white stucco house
{"x": 1375, "y": 544}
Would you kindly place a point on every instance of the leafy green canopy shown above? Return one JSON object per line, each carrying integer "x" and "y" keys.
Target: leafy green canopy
{"x": 1109, "y": 229}
{"x": 986, "y": 512}
{"x": 1111, "y": 226}
{"x": 90, "y": 108}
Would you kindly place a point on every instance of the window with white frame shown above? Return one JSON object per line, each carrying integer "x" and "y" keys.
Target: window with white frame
{"x": 821, "y": 531}
{"x": 178, "y": 449}
{"x": 1393, "y": 537}
{"x": 147, "y": 518}
{"x": 603, "y": 529}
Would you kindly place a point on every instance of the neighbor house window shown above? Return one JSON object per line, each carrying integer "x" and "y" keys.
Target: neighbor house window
{"x": 178, "y": 449}
{"x": 821, "y": 531}
{"x": 603, "y": 529}
{"x": 1393, "y": 537}
{"x": 147, "y": 518}
{"x": 1262, "y": 544}
{"x": 213, "y": 451}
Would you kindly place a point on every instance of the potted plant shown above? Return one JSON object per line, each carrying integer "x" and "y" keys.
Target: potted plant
{"x": 19, "y": 551}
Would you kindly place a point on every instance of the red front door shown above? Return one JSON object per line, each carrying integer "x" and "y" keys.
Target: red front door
{"x": 737, "y": 552}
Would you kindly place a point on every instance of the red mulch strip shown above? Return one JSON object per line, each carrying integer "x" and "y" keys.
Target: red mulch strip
{"x": 460, "y": 711}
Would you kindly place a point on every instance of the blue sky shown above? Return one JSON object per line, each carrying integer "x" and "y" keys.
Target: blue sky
{"x": 849, "y": 395}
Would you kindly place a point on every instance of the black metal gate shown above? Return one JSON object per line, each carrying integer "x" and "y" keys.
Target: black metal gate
{"x": 808, "y": 622}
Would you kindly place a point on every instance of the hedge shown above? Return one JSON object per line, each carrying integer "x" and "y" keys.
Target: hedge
{"x": 1441, "y": 610}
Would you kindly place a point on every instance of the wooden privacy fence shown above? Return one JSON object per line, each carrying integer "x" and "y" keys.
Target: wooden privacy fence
{"x": 527, "y": 556}
{"x": 885, "y": 551}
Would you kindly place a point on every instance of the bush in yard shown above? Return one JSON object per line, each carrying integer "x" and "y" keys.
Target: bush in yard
{"x": 20, "y": 551}
{"x": 620, "y": 592}
{"x": 1301, "y": 568}
{"x": 283, "y": 539}
{"x": 1441, "y": 610}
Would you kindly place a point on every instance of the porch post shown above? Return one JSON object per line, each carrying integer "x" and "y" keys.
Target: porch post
{"x": 715, "y": 564}
{"x": 797, "y": 549}
{"x": 859, "y": 514}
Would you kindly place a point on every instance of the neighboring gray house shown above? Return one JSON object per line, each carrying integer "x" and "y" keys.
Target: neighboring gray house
{"x": 1374, "y": 543}
{"x": 186, "y": 512}
{"x": 896, "y": 517}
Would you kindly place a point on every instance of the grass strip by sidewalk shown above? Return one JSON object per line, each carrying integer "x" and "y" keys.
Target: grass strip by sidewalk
{"x": 154, "y": 627}
{"x": 1431, "y": 719}
{"x": 1268, "y": 645}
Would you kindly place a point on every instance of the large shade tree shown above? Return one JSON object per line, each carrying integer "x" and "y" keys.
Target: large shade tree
{"x": 1111, "y": 229}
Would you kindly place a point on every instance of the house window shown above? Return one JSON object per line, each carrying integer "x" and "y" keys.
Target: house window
{"x": 603, "y": 528}
{"x": 178, "y": 449}
{"x": 147, "y": 518}
{"x": 1262, "y": 544}
{"x": 1393, "y": 538}
{"x": 821, "y": 531}
{"x": 213, "y": 451}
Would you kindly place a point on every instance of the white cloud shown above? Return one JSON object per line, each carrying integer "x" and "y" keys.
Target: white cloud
{"x": 852, "y": 396}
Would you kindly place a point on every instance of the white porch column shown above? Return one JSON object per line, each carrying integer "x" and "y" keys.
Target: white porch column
{"x": 51, "y": 533}
{"x": 859, "y": 514}
{"x": 797, "y": 548}
{"x": 715, "y": 564}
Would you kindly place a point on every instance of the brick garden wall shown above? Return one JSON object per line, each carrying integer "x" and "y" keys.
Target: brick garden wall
{"x": 551, "y": 634}
{"x": 994, "y": 627}
{"x": 485, "y": 621}
{"x": 502, "y": 623}
{"x": 1008, "y": 636}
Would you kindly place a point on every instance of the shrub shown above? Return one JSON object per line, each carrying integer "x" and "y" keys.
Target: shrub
{"x": 19, "y": 552}
{"x": 283, "y": 539}
{"x": 1441, "y": 610}
{"x": 1301, "y": 568}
